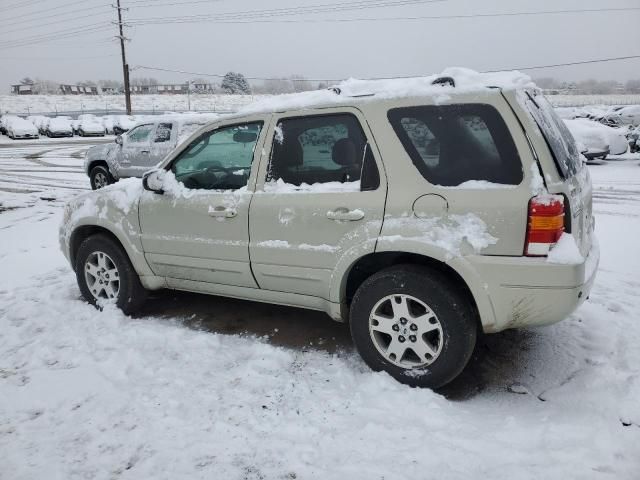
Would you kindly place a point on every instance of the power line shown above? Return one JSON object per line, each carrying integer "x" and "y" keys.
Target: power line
{"x": 63, "y": 20}
{"x": 46, "y": 10}
{"x": 584, "y": 62}
{"x": 247, "y": 19}
{"x": 21, "y": 4}
{"x": 75, "y": 31}
{"x": 68, "y": 57}
{"x": 63, "y": 14}
{"x": 309, "y": 9}
{"x": 218, "y": 75}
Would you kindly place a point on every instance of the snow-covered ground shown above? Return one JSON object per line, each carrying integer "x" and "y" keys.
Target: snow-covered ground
{"x": 205, "y": 387}
{"x": 32, "y": 104}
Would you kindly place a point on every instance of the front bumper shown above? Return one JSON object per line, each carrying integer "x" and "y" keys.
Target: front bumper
{"x": 527, "y": 291}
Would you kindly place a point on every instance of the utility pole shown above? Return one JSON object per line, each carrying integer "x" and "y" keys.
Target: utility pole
{"x": 125, "y": 65}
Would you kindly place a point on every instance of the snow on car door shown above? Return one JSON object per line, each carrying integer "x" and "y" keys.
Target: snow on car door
{"x": 135, "y": 151}
{"x": 319, "y": 201}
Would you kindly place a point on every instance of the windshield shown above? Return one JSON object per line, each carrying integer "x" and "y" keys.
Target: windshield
{"x": 558, "y": 137}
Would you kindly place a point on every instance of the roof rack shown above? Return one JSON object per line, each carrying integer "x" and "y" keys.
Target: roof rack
{"x": 444, "y": 81}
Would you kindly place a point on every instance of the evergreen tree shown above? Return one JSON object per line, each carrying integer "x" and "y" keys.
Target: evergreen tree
{"x": 235, "y": 83}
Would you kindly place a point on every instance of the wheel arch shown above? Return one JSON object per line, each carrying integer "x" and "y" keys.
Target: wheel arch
{"x": 98, "y": 162}
{"x": 83, "y": 232}
{"x": 458, "y": 271}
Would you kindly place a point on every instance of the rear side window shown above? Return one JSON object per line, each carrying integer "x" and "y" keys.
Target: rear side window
{"x": 322, "y": 149}
{"x": 555, "y": 131}
{"x": 163, "y": 132}
{"x": 452, "y": 144}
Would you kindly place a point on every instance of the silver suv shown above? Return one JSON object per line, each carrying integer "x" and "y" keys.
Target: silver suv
{"x": 420, "y": 214}
{"x": 139, "y": 149}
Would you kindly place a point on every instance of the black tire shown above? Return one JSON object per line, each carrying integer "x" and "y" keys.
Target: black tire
{"x": 98, "y": 172}
{"x": 456, "y": 316}
{"x": 131, "y": 294}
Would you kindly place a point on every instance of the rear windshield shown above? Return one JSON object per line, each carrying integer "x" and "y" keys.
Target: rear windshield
{"x": 555, "y": 131}
{"x": 453, "y": 144}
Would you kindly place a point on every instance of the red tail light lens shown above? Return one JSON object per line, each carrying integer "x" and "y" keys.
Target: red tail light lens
{"x": 545, "y": 224}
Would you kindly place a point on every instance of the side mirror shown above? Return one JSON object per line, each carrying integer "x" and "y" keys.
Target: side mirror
{"x": 154, "y": 181}
{"x": 119, "y": 139}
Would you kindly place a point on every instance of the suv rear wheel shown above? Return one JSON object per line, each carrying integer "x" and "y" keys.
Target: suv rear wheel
{"x": 100, "y": 177}
{"x": 413, "y": 323}
{"x": 104, "y": 273}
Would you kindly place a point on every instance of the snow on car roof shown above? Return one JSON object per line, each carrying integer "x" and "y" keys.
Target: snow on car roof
{"x": 466, "y": 81}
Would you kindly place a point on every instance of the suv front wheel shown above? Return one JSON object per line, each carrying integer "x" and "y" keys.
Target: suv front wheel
{"x": 415, "y": 324}
{"x": 100, "y": 177}
{"x": 104, "y": 273}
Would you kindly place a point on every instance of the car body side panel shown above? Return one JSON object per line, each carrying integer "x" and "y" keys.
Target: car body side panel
{"x": 294, "y": 246}
{"x": 116, "y": 211}
{"x": 502, "y": 208}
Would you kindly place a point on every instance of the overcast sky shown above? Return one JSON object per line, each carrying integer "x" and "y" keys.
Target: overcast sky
{"x": 309, "y": 45}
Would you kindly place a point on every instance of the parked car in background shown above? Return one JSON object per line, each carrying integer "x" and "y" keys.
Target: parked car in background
{"x": 596, "y": 140}
{"x": 123, "y": 123}
{"x": 107, "y": 122}
{"x": 634, "y": 139}
{"x": 91, "y": 127}
{"x": 421, "y": 214}
{"x": 3, "y": 123}
{"x": 37, "y": 120}
{"x": 59, "y": 127}
{"x": 629, "y": 115}
{"x": 139, "y": 149}
{"x": 19, "y": 128}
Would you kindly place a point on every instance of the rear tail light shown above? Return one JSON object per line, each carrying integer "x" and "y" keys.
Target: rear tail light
{"x": 544, "y": 225}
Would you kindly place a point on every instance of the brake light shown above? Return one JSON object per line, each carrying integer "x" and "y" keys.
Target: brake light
{"x": 544, "y": 225}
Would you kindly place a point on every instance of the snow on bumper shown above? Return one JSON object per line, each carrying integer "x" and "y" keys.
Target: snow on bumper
{"x": 530, "y": 291}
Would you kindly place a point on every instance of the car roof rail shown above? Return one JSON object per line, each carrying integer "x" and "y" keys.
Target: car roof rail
{"x": 444, "y": 81}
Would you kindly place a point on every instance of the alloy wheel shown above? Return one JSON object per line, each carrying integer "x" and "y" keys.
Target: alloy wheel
{"x": 102, "y": 276}
{"x": 405, "y": 331}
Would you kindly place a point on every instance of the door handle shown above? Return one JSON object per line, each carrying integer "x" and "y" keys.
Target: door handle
{"x": 222, "y": 212}
{"x": 144, "y": 151}
{"x": 345, "y": 214}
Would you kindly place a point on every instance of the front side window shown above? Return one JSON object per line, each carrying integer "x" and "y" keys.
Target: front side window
{"x": 322, "y": 149}
{"x": 453, "y": 144}
{"x": 140, "y": 134}
{"x": 163, "y": 132}
{"x": 218, "y": 160}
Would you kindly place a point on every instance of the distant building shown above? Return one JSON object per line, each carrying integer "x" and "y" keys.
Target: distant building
{"x": 78, "y": 90}
{"x": 203, "y": 87}
{"x": 171, "y": 88}
{"x": 22, "y": 89}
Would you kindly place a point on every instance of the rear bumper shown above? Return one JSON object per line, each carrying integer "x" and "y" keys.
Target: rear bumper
{"x": 531, "y": 291}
